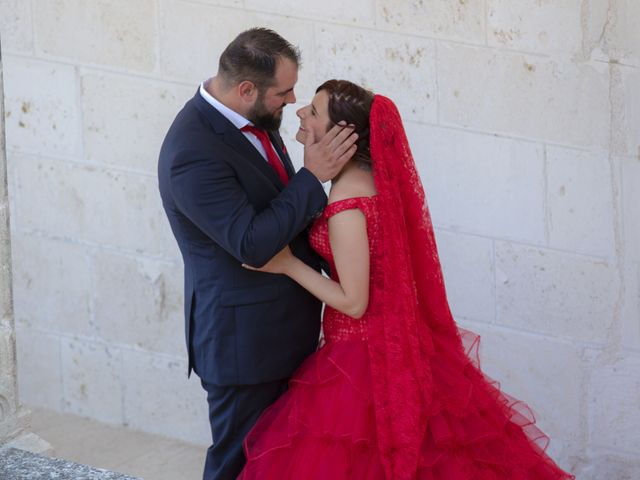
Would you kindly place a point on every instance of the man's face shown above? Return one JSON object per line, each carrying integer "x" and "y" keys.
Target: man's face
{"x": 267, "y": 110}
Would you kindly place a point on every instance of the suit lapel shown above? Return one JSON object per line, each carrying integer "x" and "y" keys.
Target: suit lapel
{"x": 236, "y": 140}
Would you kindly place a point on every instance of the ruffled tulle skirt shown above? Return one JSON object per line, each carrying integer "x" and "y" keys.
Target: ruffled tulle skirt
{"x": 323, "y": 427}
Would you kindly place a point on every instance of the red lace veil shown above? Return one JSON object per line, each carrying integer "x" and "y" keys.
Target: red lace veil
{"x": 400, "y": 344}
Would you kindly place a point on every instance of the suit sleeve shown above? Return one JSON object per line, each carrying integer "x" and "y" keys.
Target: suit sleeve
{"x": 209, "y": 194}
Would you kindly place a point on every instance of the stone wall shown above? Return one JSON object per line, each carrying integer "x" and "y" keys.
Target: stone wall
{"x": 10, "y": 424}
{"x": 524, "y": 118}
{"x": 14, "y": 418}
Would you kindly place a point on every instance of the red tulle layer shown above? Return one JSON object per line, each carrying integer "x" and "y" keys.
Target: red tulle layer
{"x": 324, "y": 426}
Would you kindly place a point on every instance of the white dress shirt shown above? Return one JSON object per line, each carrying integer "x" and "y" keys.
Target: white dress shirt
{"x": 236, "y": 119}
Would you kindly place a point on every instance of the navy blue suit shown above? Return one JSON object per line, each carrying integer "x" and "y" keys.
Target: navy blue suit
{"x": 246, "y": 331}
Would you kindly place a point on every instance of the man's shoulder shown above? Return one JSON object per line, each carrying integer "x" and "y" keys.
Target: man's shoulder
{"x": 190, "y": 112}
{"x": 191, "y": 124}
{"x": 191, "y": 137}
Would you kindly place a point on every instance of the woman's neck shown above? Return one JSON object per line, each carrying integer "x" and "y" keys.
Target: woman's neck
{"x": 351, "y": 164}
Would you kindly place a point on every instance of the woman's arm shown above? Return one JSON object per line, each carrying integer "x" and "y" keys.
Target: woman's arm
{"x": 350, "y": 248}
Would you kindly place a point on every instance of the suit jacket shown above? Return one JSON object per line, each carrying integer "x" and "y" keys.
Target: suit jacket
{"x": 227, "y": 206}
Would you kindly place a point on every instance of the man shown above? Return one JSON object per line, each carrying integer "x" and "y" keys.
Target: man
{"x": 232, "y": 197}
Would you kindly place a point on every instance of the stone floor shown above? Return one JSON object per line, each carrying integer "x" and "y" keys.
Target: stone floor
{"x": 137, "y": 454}
{"x": 16, "y": 464}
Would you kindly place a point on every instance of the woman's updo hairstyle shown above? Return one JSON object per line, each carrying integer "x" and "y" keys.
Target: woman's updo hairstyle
{"x": 351, "y": 103}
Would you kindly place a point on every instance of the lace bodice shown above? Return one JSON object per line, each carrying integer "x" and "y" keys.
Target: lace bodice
{"x": 337, "y": 325}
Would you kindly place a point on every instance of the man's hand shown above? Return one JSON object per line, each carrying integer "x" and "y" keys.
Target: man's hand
{"x": 326, "y": 158}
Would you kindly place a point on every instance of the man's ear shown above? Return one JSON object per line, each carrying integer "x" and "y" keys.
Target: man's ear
{"x": 247, "y": 91}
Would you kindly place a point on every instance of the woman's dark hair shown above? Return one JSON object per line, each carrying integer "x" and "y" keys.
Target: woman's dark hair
{"x": 253, "y": 55}
{"x": 351, "y": 103}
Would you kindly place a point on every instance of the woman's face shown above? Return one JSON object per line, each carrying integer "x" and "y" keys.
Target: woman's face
{"x": 314, "y": 118}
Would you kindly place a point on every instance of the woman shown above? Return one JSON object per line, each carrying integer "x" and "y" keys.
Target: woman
{"x": 396, "y": 392}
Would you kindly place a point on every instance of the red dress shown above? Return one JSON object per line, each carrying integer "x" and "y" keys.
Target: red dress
{"x": 324, "y": 426}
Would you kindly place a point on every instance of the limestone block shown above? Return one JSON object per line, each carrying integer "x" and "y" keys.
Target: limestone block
{"x": 580, "y": 201}
{"x": 536, "y": 26}
{"x": 631, "y": 206}
{"x": 557, "y": 293}
{"x": 595, "y": 23}
{"x": 125, "y": 118}
{"x": 41, "y": 116}
{"x": 117, "y": 33}
{"x": 614, "y": 396}
{"x": 481, "y": 184}
{"x": 525, "y": 96}
{"x": 224, "y": 3}
{"x": 191, "y": 47}
{"x": 547, "y": 374}
{"x": 139, "y": 302}
{"x": 626, "y": 111}
{"x": 359, "y": 12}
{"x": 624, "y": 36}
{"x": 92, "y": 204}
{"x": 160, "y": 399}
{"x": 92, "y": 385}
{"x": 463, "y": 20}
{"x": 398, "y": 66}
{"x": 631, "y": 307}
{"x": 16, "y": 26}
{"x": 31, "y": 443}
{"x": 467, "y": 265}
{"x": 39, "y": 368}
{"x": 52, "y": 284}
{"x": 8, "y": 386}
{"x": 6, "y": 298}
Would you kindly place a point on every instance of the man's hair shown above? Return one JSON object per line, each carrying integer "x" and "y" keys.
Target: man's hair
{"x": 253, "y": 55}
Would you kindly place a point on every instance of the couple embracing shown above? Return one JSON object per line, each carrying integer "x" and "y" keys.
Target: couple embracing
{"x": 395, "y": 392}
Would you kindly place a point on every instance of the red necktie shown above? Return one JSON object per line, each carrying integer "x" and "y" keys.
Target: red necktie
{"x": 272, "y": 156}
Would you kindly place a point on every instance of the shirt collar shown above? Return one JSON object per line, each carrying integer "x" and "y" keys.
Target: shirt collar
{"x": 234, "y": 117}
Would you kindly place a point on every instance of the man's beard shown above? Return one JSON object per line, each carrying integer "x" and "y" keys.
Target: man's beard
{"x": 262, "y": 118}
